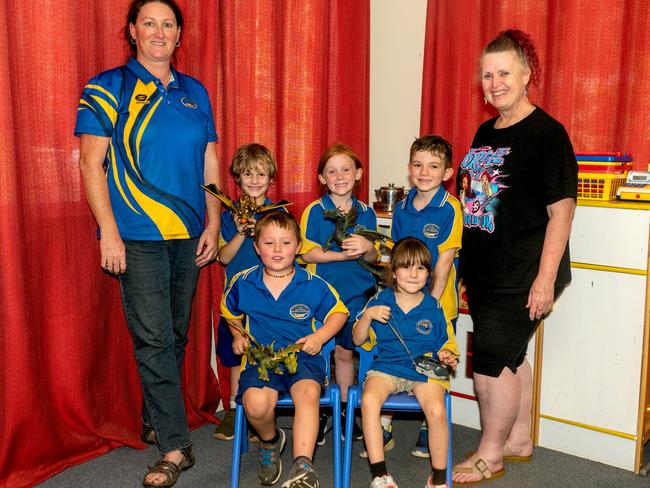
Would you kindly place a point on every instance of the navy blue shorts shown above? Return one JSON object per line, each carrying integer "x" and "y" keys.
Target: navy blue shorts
{"x": 309, "y": 368}
{"x": 344, "y": 337}
{"x": 224, "y": 345}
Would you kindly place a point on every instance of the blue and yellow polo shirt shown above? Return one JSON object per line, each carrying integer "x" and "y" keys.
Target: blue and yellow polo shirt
{"x": 349, "y": 278}
{"x": 156, "y": 155}
{"x": 440, "y": 226}
{"x": 306, "y": 301}
{"x": 425, "y": 330}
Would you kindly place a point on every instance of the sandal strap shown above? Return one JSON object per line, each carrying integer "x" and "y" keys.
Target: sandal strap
{"x": 483, "y": 468}
{"x": 188, "y": 459}
{"x": 168, "y": 469}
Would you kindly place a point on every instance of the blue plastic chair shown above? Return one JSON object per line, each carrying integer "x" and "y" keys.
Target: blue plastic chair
{"x": 331, "y": 397}
{"x": 400, "y": 402}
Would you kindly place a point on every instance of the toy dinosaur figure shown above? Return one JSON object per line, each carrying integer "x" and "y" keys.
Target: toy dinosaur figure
{"x": 245, "y": 208}
{"x": 345, "y": 226}
{"x": 267, "y": 358}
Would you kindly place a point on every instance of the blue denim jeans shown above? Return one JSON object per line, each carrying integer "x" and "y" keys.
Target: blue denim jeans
{"x": 157, "y": 292}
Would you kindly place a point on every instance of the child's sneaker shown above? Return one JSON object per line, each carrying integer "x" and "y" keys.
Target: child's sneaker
{"x": 357, "y": 433}
{"x": 421, "y": 448}
{"x": 322, "y": 429}
{"x": 270, "y": 467}
{"x": 226, "y": 430}
{"x": 389, "y": 443}
{"x": 430, "y": 483}
{"x": 385, "y": 481}
{"x": 302, "y": 475}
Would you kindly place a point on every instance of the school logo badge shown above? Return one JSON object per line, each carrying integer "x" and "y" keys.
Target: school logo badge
{"x": 431, "y": 231}
{"x": 299, "y": 311}
{"x": 424, "y": 326}
{"x": 141, "y": 99}
{"x": 188, "y": 102}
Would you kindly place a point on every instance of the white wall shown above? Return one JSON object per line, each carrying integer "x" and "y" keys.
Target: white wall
{"x": 396, "y": 55}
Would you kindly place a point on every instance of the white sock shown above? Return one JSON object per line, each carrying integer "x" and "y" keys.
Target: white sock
{"x": 386, "y": 421}
{"x": 232, "y": 402}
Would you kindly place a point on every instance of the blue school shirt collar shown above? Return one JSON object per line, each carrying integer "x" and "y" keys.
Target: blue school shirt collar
{"x": 142, "y": 73}
{"x": 387, "y": 297}
{"x": 438, "y": 199}
{"x": 328, "y": 204}
{"x": 299, "y": 276}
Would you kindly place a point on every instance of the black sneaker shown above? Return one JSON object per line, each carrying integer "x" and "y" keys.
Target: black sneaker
{"x": 322, "y": 429}
{"x": 270, "y": 468}
{"x": 357, "y": 433}
{"x": 421, "y": 448}
{"x": 302, "y": 475}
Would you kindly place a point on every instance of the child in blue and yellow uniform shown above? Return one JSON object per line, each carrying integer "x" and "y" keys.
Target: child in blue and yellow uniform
{"x": 418, "y": 319}
{"x": 280, "y": 302}
{"x": 435, "y": 217}
{"x": 339, "y": 169}
{"x": 253, "y": 167}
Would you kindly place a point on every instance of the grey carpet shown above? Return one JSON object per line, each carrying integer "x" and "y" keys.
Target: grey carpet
{"x": 125, "y": 467}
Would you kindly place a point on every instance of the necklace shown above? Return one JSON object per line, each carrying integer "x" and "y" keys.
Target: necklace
{"x": 279, "y": 276}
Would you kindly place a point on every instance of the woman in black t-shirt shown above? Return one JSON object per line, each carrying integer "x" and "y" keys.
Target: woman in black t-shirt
{"x": 517, "y": 215}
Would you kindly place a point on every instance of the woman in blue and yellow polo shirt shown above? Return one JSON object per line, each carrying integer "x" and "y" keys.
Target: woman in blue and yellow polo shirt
{"x": 147, "y": 143}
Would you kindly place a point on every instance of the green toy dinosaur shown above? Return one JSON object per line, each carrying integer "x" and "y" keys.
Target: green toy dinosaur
{"x": 345, "y": 226}
{"x": 267, "y": 358}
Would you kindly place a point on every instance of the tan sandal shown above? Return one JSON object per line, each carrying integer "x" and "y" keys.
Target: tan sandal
{"x": 507, "y": 458}
{"x": 479, "y": 467}
{"x": 171, "y": 471}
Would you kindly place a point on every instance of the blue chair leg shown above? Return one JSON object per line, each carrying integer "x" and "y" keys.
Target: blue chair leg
{"x": 353, "y": 401}
{"x": 449, "y": 450}
{"x": 336, "y": 439}
{"x": 238, "y": 445}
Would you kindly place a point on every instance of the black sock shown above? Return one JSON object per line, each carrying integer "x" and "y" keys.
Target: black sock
{"x": 377, "y": 470}
{"x": 275, "y": 438}
{"x": 438, "y": 476}
{"x": 302, "y": 459}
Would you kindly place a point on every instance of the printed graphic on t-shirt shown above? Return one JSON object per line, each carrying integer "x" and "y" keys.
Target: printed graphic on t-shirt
{"x": 481, "y": 182}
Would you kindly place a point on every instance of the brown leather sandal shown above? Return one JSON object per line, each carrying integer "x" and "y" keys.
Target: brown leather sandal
{"x": 171, "y": 471}
{"x": 148, "y": 435}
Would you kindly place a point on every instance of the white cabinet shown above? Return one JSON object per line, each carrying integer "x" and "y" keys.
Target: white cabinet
{"x": 592, "y": 368}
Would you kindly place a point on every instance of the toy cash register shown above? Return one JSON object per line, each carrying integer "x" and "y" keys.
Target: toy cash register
{"x": 636, "y": 187}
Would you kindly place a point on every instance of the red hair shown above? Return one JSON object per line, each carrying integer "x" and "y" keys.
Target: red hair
{"x": 522, "y": 44}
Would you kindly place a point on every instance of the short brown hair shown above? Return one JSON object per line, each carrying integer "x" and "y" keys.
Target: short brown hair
{"x": 432, "y": 144}
{"x": 406, "y": 253}
{"x": 284, "y": 220}
{"x": 249, "y": 156}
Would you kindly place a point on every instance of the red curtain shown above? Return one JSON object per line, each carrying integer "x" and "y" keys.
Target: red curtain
{"x": 292, "y": 75}
{"x": 595, "y": 69}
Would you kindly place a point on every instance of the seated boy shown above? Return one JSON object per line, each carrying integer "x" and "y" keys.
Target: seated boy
{"x": 280, "y": 303}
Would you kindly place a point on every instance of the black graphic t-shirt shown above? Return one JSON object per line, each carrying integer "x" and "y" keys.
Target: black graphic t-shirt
{"x": 505, "y": 183}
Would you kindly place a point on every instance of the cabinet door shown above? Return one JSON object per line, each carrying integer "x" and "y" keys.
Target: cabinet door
{"x": 610, "y": 237}
{"x": 593, "y": 343}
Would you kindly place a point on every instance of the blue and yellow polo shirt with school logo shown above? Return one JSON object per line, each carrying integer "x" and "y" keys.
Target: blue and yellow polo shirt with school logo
{"x": 349, "y": 278}
{"x": 424, "y": 329}
{"x": 306, "y": 301}
{"x": 440, "y": 226}
{"x": 156, "y": 155}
